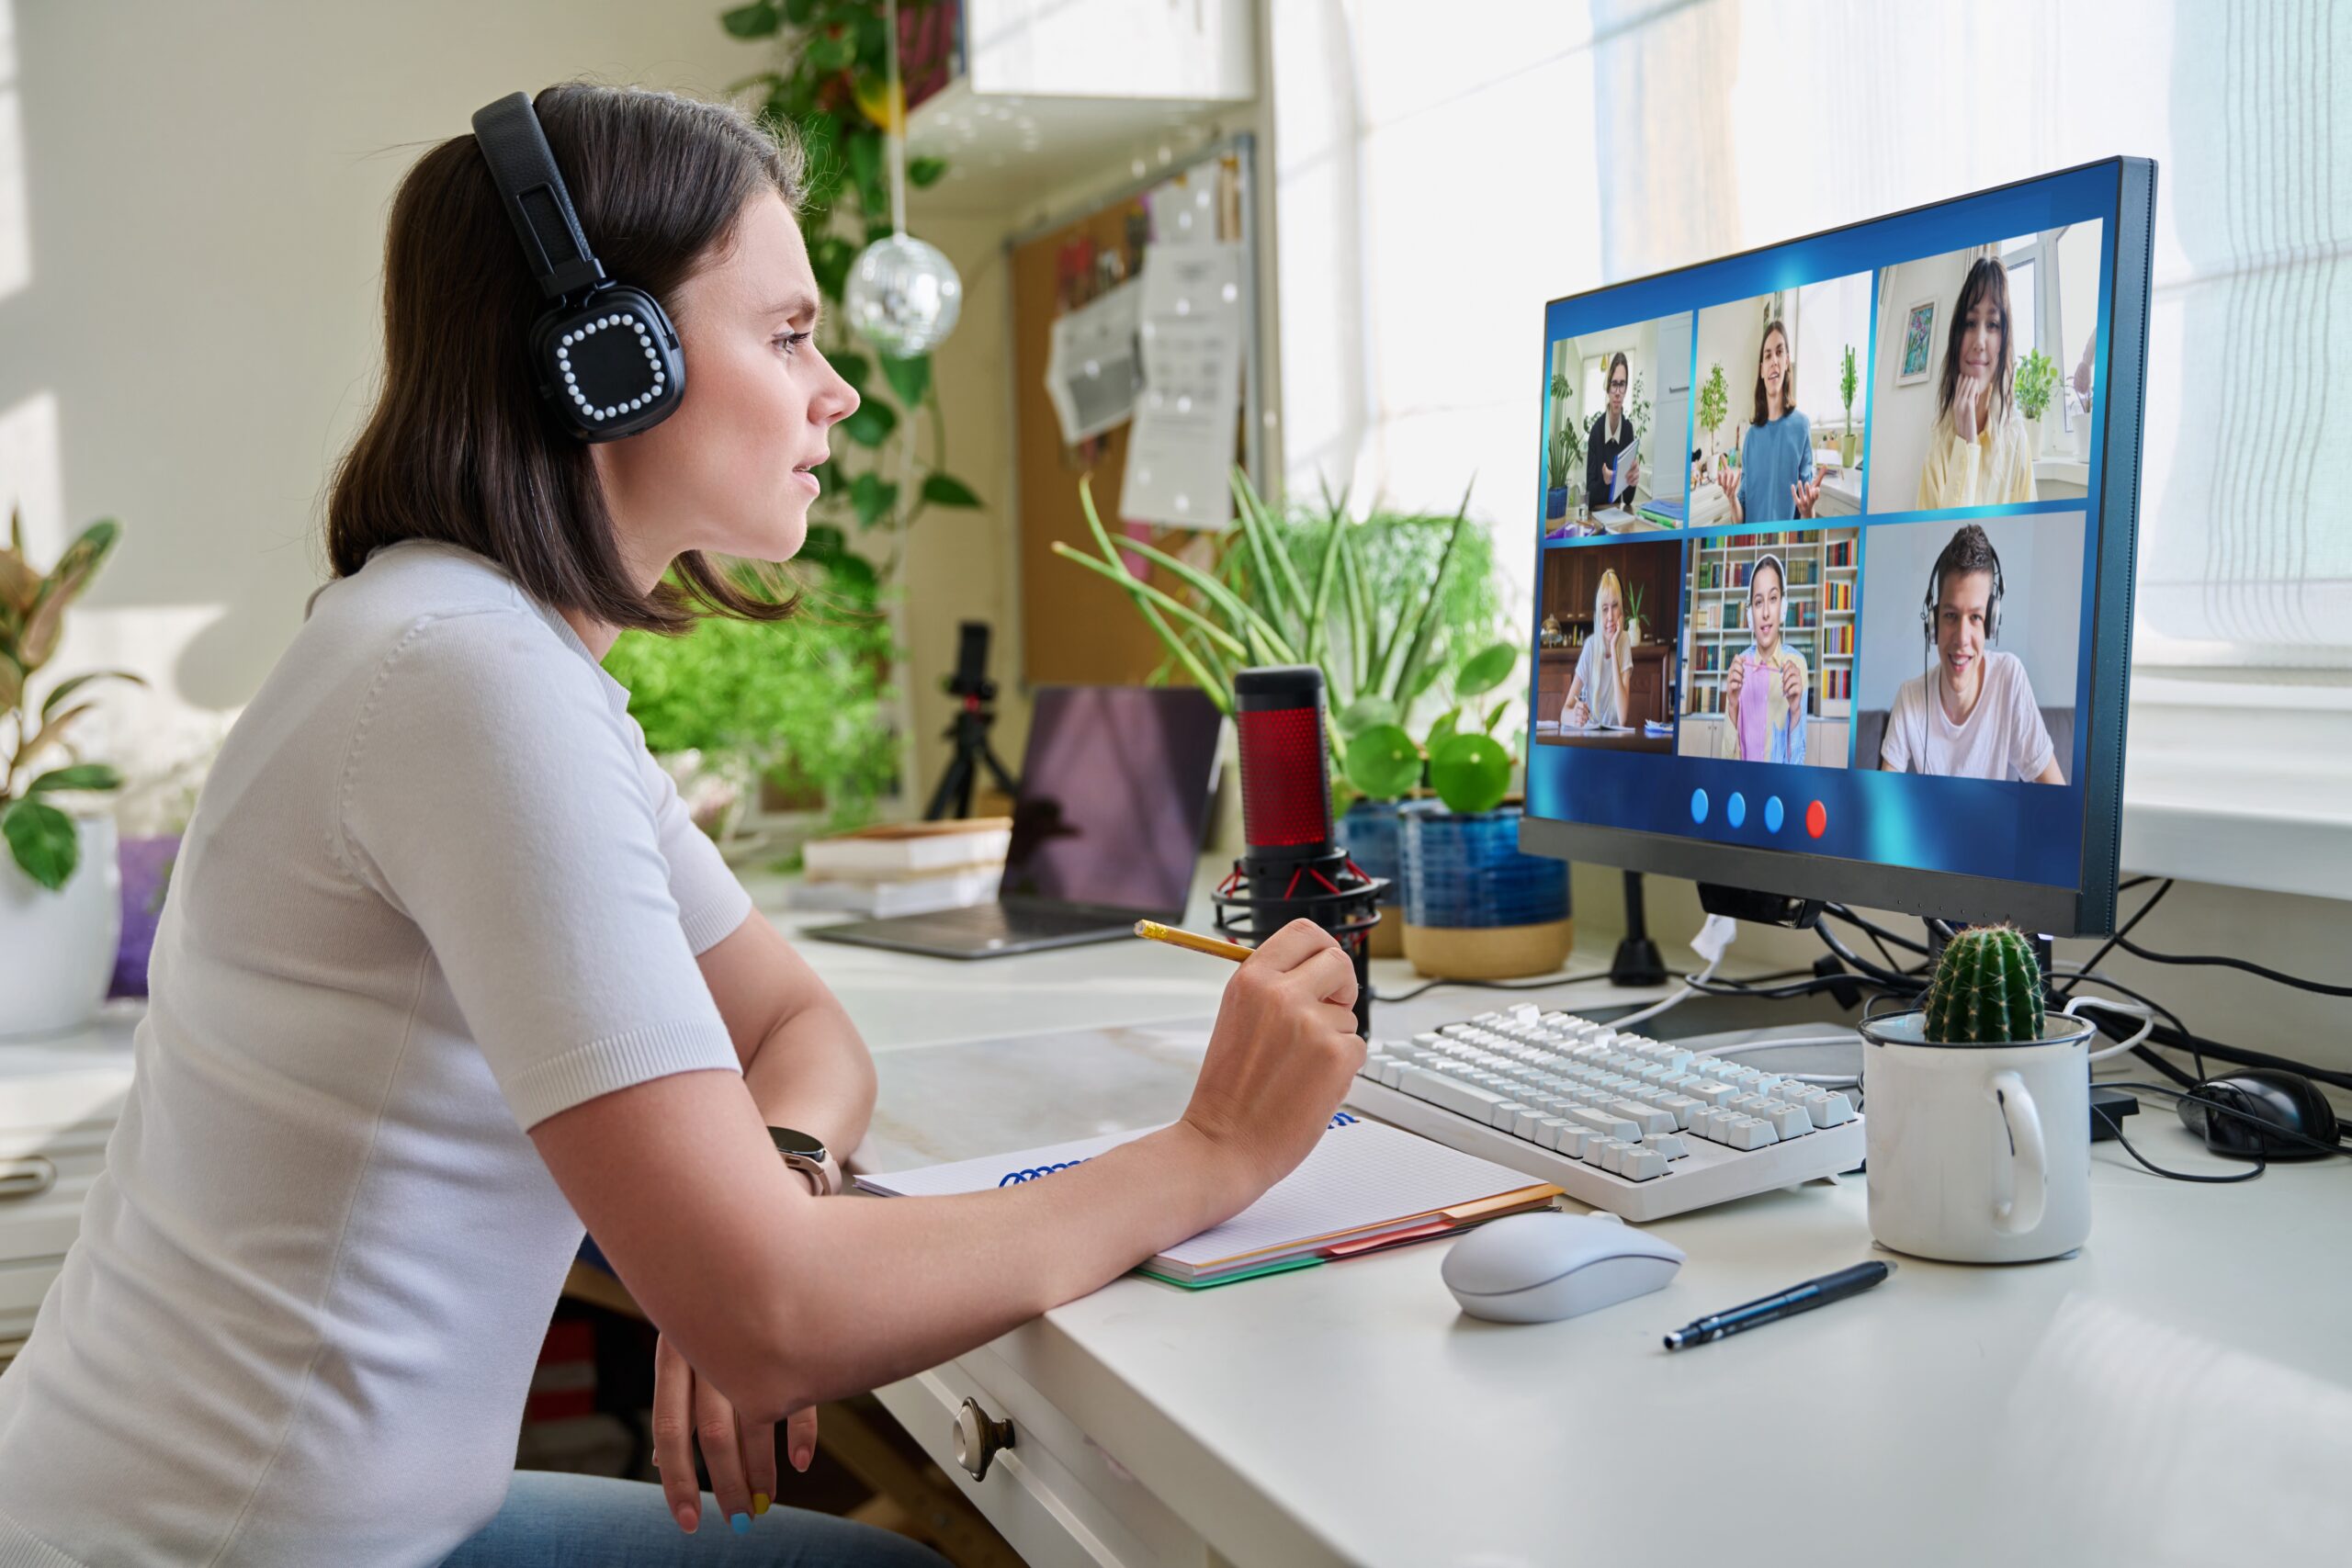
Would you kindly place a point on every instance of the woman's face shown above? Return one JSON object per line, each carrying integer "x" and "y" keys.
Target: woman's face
{"x": 1764, "y": 607}
{"x": 729, "y": 471}
{"x": 1980, "y": 340}
{"x": 1774, "y": 364}
{"x": 1617, "y": 379}
{"x": 1608, "y": 611}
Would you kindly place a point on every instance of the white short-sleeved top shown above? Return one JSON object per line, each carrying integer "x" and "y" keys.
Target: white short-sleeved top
{"x": 2003, "y": 736}
{"x": 435, "y": 891}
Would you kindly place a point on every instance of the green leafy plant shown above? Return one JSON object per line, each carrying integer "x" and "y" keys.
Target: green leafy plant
{"x": 1988, "y": 989}
{"x": 32, "y": 621}
{"x": 805, "y": 702}
{"x": 1637, "y": 412}
{"x": 2037, "y": 379}
{"x": 831, "y": 86}
{"x": 1850, "y": 381}
{"x": 1566, "y": 451}
{"x": 1715, "y": 402}
{"x": 1389, "y": 607}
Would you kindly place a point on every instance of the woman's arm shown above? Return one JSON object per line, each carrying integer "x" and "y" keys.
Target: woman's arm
{"x": 803, "y": 1060}
{"x": 783, "y": 1300}
{"x": 1621, "y": 666}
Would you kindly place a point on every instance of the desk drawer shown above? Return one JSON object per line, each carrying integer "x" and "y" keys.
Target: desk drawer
{"x": 44, "y": 1178}
{"x": 1060, "y": 1500}
{"x": 22, "y": 1285}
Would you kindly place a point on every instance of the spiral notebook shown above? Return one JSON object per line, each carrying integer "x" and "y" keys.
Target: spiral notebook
{"x": 1365, "y": 1185}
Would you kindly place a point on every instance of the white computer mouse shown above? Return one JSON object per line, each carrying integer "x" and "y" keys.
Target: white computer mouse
{"x": 1540, "y": 1268}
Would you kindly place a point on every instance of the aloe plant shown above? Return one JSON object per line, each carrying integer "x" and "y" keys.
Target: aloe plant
{"x": 1380, "y": 652}
{"x": 32, "y": 621}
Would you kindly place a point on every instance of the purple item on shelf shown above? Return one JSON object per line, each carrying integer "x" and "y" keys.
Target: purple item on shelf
{"x": 146, "y": 874}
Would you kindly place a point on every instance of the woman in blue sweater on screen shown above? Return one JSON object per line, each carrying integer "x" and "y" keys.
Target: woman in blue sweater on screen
{"x": 1775, "y": 480}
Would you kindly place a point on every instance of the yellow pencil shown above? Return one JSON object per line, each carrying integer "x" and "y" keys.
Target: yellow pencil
{"x": 1214, "y": 946}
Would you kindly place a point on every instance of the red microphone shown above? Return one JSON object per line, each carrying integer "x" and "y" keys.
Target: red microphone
{"x": 1290, "y": 869}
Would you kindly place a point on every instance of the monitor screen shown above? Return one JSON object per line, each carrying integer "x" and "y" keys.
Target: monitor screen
{"x": 1834, "y": 556}
{"x": 1114, "y": 798}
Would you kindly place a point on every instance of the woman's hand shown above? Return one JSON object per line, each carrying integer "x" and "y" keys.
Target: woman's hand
{"x": 1731, "y": 492}
{"x": 741, "y": 1459}
{"x": 1633, "y": 472}
{"x": 1804, "y": 495}
{"x": 1734, "y": 679}
{"x": 1791, "y": 681}
{"x": 1967, "y": 410}
{"x": 1283, "y": 1052}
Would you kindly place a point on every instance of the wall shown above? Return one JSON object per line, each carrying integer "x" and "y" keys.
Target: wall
{"x": 1902, "y": 418}
{"x": 2041, "y": 572}
{"x": 195, "y": 335}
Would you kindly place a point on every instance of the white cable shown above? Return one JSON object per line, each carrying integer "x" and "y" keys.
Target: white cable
{"x": 1689, "y": 988}
{"x": 2130, "y": 1009}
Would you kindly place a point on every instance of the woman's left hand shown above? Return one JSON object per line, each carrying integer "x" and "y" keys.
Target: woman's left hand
{"x": 740, "y": 1458}
{"x": 1791, "y": 681}
{"x": 1633, "y": 472}
{"x": 1804, "y": 495}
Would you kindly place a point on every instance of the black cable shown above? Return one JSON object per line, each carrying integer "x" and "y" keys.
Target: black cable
{"x": 1894, "y": 978}
{"x": 2115, "y": 1126}
{"x": 1845, "y": 912}
{"x": 2268, "y": 1128}
{"x": 2109, "y": 946}
{"x": 2136, "y": 950}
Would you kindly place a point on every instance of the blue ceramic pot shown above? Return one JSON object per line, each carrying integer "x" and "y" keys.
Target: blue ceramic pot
{"x": 1467, "y": 872}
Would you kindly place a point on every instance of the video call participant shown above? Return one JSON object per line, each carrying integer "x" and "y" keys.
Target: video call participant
{"x": 1978, "y": 455}
{"x": 1609, "y": 435}
{"x": 1764, "y": 688}
{"x": 1972, "y": 715}
{"x": 1775, "y": 480}
{"x": 1601, "y": 693}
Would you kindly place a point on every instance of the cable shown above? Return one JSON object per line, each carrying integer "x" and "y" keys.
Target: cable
{"x": 2109, "y": 946}
{"x": 1693, "y": 986}
{"x": 2136, "y": 950}
{"x": 2147, "y": 1022}
{"x": 1831, "y": 1081}
{"x": 2270, "y": 1129}
{"x": 1543, "y": 982}
{"x": 2115, "y": 1126}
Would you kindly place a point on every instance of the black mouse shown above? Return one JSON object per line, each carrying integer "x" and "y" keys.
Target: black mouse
{"x": 2268, "y": 1098}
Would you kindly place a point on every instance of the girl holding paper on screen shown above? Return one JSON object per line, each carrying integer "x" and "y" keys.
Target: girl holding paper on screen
{"x": 1764, "y": 688}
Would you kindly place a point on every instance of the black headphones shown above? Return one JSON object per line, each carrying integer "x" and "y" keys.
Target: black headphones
{"x": 606, "y": 358}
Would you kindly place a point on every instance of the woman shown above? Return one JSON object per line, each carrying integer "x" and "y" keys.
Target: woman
{"x": 1764, "y": 688}
{"x": 1775, "y": 479}
{"x": 1601, "y": 693}
{"x": 1977, "y": 455}
{"x": 446, "y": 971}
{"x": 1606, "y": 439}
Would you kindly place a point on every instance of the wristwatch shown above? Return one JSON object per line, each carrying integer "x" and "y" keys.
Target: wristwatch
{"x": 806, "y": 1153}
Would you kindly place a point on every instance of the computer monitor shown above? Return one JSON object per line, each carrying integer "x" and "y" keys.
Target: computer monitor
{"x": 1861, "y": 631}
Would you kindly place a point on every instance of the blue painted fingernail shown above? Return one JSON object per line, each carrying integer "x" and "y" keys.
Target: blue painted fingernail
{"x": 742, "y": 1523}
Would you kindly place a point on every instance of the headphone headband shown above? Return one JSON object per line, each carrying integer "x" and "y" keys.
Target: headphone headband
{"x": 531, "y": 189}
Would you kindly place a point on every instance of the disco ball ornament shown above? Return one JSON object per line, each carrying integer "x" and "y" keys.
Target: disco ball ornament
{"x": 904, "y": 296}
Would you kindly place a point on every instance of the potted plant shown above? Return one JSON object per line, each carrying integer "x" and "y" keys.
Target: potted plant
{"x": 1849, "y": 383}
{"x": 60, "y": 913}
{"x": 1634, "y": 615}
{"x": 1566, "y": 450}
{"x": 1715, "y": 404}
{"x": 2037, "y": 379}
{"x": 802, "y": 703}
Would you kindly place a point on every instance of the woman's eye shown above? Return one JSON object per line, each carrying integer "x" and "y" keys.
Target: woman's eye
{"x": 789, "y": 341}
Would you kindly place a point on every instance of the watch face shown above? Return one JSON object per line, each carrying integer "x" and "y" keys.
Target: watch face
{"x": 789, "y": 1141}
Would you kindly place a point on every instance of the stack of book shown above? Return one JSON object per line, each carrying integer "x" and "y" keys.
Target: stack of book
{"x": 906, "y": 868}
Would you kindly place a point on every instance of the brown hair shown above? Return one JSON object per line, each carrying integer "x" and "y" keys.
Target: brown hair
{"x": 459, "y": 447}
{"x": 1988, "y": 279}
{"x": 1968, "y": 551}
{"x": 1788, "y": 382}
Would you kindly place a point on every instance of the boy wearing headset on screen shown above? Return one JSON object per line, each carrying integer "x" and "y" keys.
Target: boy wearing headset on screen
{"x": 1971, "y": 715}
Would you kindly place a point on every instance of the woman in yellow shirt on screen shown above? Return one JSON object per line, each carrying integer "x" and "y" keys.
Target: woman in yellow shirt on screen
{"x": 1978, "y": 455}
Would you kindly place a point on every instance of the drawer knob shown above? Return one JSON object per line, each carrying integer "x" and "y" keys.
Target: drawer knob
{"x": 979, "y": 1440}
{"x": 26, "y": 1178}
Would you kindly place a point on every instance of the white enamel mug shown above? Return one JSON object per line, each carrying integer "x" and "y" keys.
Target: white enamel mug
{"x": 1978, "y": 1153}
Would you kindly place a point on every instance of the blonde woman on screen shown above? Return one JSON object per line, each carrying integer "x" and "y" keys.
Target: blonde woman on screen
{"x": 1978, "y": 455}
{"x": 1601, "y": 693}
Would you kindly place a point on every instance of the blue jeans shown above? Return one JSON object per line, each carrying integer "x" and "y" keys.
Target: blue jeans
{"x": 554, "y": 1520}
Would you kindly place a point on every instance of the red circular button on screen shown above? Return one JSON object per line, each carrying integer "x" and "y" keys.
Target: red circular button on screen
{"x": 1816, "y": 819}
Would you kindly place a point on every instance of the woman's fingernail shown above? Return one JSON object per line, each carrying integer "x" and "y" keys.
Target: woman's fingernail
{"x": 759, "y": 1504}
{"x": 801, "y": 1456}
{"x": 687, "y": 1518}
{"x": 742, "y": 1523}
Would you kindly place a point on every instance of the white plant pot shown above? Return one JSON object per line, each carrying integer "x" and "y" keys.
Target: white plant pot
{"x": 57, "y": 949}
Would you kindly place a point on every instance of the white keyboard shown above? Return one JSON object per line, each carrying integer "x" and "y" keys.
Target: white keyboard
{"x": 1619, "y": 1121}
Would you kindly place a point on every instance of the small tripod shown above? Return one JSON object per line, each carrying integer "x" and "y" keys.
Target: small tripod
{"x": 970, "y": 730}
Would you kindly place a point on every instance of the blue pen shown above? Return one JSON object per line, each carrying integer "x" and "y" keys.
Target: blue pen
{"x": 1784, "y": 1304}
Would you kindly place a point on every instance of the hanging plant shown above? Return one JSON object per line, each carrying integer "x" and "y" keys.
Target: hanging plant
{"x": 833, "y": 86}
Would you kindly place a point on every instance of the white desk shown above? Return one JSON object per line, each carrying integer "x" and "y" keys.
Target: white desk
{"x": 2180, "y": 1391}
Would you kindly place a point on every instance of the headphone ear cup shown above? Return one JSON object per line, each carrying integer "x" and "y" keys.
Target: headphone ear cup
{"x": 611, "y": 366}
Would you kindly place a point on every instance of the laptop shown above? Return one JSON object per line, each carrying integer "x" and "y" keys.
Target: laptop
{"x": 1106, "y": 828}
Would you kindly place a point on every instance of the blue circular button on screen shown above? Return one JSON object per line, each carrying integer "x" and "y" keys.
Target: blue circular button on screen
{"x": 1772, "y": 814}
{"x": 1698, "y": 806}
{"x": 1736, "y": 809}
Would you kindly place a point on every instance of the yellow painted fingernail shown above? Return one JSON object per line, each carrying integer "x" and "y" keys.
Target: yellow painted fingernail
{"x": 759, "y": 1503}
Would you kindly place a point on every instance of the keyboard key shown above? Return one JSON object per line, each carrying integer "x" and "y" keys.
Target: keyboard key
{"x": 1648, "y": 1118}
{"x": 1749, "y": 1132}
{"x": 1468, "y": 1099}
{"x": 1788, "y": 1120}
{"x": 1642, "y": 1164}
{"x": 1505, "y": 1114}
{"x": 1523, "y": 1124}
{"x": 1836, "y": 1110}
{"x": 1671, "y": 1145}
{"x": 1713, "y": 1093}
{"x": 1604, "y": 1123}
{"x": 1571, "y": 1139}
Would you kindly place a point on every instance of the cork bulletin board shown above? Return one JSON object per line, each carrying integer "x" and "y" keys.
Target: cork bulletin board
{"x": 1076, "y": 626}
